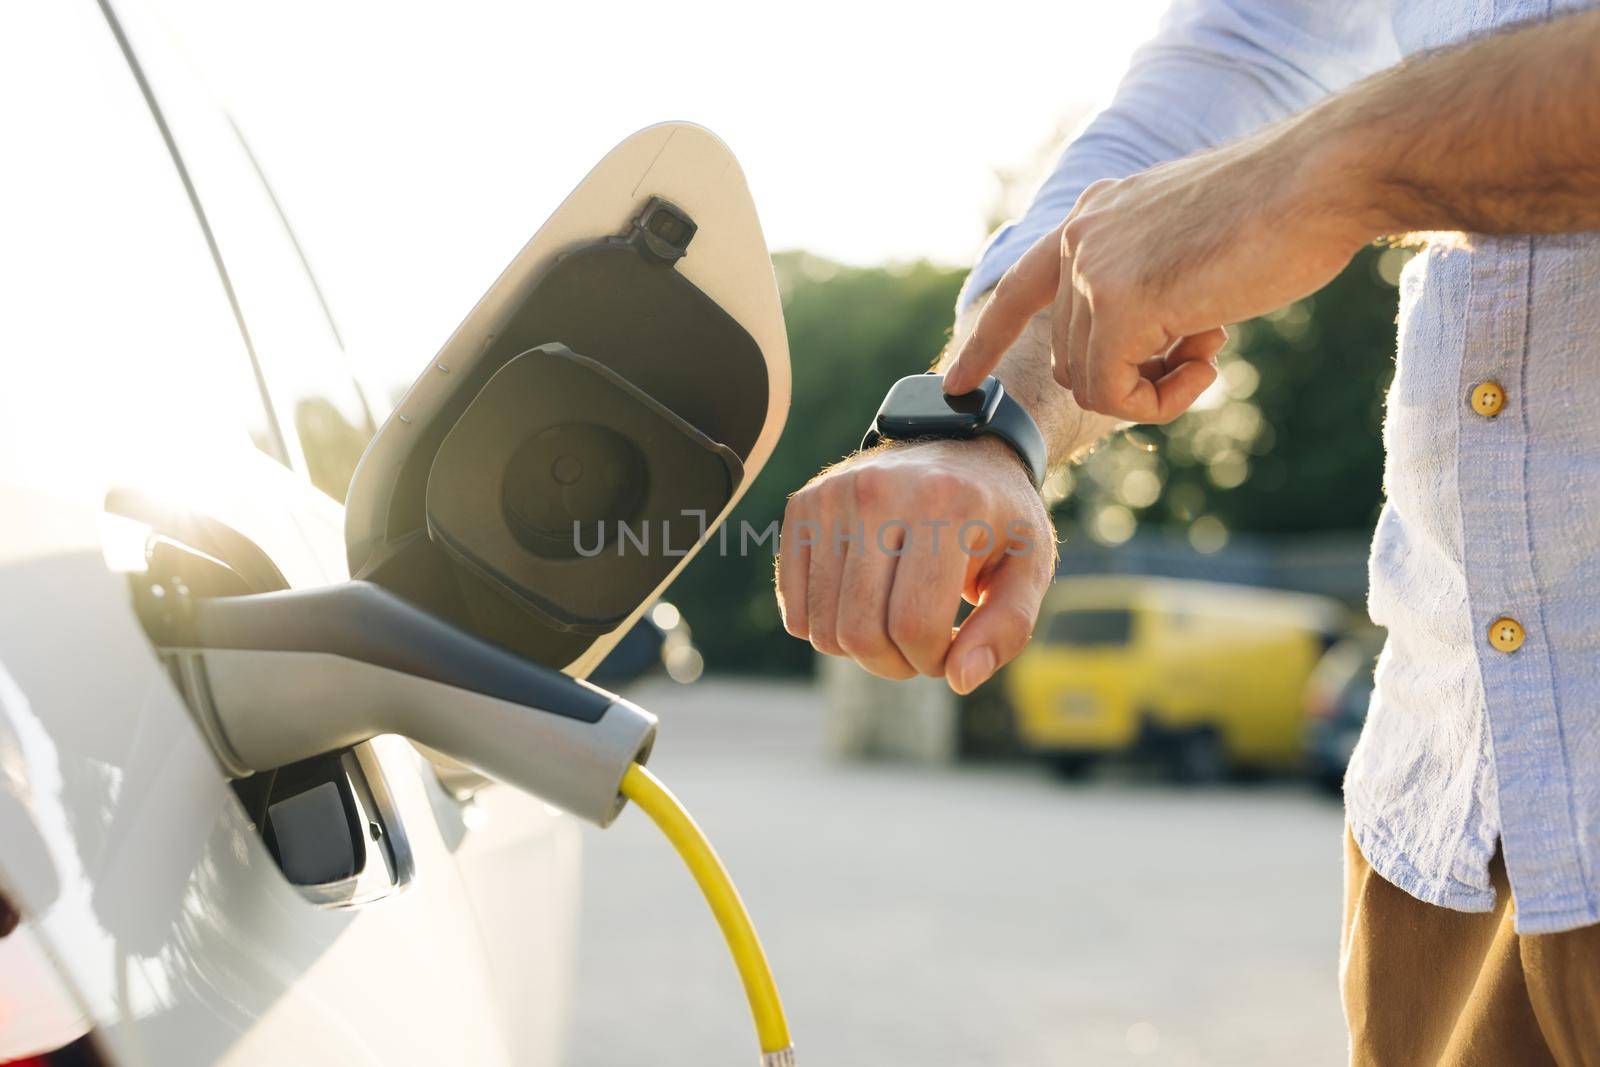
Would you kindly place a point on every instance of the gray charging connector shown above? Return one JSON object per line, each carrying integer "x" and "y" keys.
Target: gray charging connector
{"x": 279, "y": 677}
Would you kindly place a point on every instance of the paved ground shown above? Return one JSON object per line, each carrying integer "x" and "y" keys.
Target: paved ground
{"x": 977, "y": 917}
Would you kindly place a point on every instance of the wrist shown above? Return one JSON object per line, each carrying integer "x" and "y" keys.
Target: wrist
{"x": 998, "y": 460}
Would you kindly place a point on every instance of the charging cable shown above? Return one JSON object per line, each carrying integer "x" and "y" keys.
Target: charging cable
{"x": 665, "y": 810}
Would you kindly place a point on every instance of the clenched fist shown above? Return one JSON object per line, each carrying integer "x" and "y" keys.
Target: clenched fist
{"x": 878, "y": 552}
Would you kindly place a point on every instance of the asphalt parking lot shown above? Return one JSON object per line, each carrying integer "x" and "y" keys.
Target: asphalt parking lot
{"x": 972, "y": 916}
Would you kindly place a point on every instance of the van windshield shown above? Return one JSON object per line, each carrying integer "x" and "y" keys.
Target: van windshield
{"x": 1110, "y": 626}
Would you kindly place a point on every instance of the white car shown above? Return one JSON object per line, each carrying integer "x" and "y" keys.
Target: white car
{"x": 178, "y": 421}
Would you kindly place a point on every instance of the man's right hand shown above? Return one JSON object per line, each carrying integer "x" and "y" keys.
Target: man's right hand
{"x": 878, "y": 551}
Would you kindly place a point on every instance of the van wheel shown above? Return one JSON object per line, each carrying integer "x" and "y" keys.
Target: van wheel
{"x": 1330, "y": 783}
{"x": 1200, "y": 758}
{"x": 1071, "y": 768}
{"x": 987, "y": 727}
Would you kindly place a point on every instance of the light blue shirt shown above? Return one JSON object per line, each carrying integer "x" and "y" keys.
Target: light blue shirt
{"x": 1465, "y": 746}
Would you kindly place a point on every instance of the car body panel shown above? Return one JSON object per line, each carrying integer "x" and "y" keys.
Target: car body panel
{"x": 168, "y": 917}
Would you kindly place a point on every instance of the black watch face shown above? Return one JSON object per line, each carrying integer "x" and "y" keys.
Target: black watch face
{"x": 917, "y": 406}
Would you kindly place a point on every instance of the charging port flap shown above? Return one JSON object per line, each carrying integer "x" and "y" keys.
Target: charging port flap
{"x": 594, "y": 419}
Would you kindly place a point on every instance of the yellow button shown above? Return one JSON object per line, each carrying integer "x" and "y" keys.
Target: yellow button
{"x": 1506, "y": 634}
{"x": 1488, "y": 398}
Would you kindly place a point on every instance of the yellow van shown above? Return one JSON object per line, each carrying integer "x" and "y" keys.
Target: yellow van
{"x": 1208, "y": 676}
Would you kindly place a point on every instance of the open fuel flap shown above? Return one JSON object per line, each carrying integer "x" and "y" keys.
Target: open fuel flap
{"x": 591, "y": 423}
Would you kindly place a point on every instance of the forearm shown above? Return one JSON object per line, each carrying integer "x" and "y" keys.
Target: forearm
{"x": 1500, "y": 135}
{"x": 1025, "y": 373}
{"x": 1216, "y": 71}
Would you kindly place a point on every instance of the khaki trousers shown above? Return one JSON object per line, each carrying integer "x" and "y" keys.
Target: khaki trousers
{"x": 1425, "y": 986}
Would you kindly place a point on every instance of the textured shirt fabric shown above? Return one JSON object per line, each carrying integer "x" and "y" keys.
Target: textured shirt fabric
{"x": 1485, "y": 518}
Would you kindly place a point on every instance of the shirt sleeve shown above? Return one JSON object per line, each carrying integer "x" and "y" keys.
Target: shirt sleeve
{"x": 1215, "y": 70}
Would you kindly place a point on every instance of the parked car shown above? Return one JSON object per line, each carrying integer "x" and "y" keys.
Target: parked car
{"x": 1336, "y": 699}
{"x": 1203, "y": 676}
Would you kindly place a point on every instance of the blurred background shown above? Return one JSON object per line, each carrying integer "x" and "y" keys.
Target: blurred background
{"x": 1125, "y": 848}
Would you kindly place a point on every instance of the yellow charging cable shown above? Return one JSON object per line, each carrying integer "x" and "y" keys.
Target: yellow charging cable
{"x": 664, "y": 809}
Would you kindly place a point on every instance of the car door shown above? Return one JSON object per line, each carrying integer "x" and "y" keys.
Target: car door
{"x": 155, "y": 402}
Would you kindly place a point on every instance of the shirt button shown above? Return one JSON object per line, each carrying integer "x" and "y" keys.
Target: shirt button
{"x": 1488, "y": 398}
{"x": 1506, "y": 634}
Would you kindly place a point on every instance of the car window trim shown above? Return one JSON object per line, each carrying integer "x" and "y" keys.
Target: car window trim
{"x": 280, "y": 445}
{"x": 305, "y": 264}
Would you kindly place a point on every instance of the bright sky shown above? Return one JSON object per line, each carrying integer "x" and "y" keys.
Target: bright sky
{"x": 416, "y": 147}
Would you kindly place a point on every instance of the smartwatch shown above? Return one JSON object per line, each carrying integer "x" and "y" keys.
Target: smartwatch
{"x": 917, "y": 407}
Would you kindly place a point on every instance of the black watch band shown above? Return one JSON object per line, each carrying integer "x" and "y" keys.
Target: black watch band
{"x": 917, "y": 409}
{"x": 1013, "y": 425}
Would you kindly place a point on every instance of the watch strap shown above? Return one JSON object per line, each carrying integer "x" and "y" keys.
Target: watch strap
{"x": 1008, "y": 420}
{"x": 1013, "y": 425}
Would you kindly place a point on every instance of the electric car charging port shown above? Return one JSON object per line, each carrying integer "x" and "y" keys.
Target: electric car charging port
{"x": 330, "y": 825}
{"x": 328, "y": 822}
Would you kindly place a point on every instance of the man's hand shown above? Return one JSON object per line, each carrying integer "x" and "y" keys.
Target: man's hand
{"x": 1147, "y": 271}
{"x": 878, "y": 552}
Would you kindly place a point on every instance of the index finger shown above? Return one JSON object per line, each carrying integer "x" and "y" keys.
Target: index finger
{"x": 1026, "y": 289}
